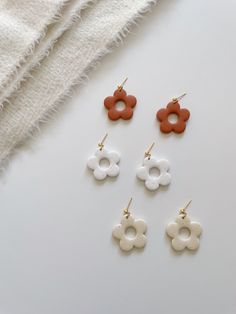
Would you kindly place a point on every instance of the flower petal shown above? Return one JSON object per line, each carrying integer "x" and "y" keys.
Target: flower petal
{"x": 130, "y": 101}
{"x": 173, "y": 107}
{"x": 127, "y": 113}
{"x": 126, "y": 244}
{"x": 102, "y": 154}
{"x": 99, "y": 173}
{"x": 127, "y": 222}
{"x": 165, "y": 179}
{"x": 152, "y": 183}
{"x": 166, "y": 126}
{"x": 114, "y": 156}
{"x": 149, "y": 162}
{"x": 109, "y": 102}
{"x": 179, "y": 127}
{"x": 196, "y": 228}
{"x": 113, "y": 114}
{"x": 92, "y": 162}
{"x": 184, "y": 114}
{"x": 140, "y": 241}
{"x": 119, "y": 94}
{"x": 113, "y": 171}
{"x": 162, "y": 114}
{"x": 142, "y": 173}
{"x": 172, "y": 229}
{"x": 163, "y": 165}
{"x": 178, "y": 244}
{"x": 193, "y": 242}
{"x": 183, "y": 222}
{"x": 118, "y": 231}
{"x": 140, "y": 226}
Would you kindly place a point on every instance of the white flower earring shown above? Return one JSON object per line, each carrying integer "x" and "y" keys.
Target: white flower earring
{"x": 162, "y": 165}
{"x": 103, "y": 154}
{"x": 184, "y": 223}
{"x": 128, "y": 222}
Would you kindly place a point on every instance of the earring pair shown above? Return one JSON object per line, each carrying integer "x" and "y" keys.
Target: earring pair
{"x": 163, "y": 115}
{"x": 173, "y": 230}
{"x": 152, "y": 182}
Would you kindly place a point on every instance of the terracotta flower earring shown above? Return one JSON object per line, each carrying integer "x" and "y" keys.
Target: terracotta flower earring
{"x": 129, "y": 102}
{"x": 173, "y": 107}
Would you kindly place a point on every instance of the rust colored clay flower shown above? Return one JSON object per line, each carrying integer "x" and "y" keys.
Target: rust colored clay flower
{"x": 128, "y": 100}
{"x": 173, "y": 107}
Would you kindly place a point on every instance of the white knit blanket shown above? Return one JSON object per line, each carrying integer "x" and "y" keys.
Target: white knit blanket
{"x": 81, "y": 31}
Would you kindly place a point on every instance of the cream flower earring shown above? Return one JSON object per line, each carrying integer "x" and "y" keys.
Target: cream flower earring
{"x": 128, "y": 222}
{"x": 162, "y": 165}
{"x": 183, "y": 222}
{"x": 111, "y": 157}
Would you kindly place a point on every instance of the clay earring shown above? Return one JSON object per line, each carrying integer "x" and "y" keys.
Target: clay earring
{"x": 173, "y": 107}
{"x": 128, "y": 101}
{"x": 128, "y": 222}
{"x": 149, "y": 163}
{"x": 181, "y": 223}
{"x": 103, "y": 154}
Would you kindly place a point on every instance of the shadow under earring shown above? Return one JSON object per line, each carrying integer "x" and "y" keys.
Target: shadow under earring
{"x": 129, "y": 102}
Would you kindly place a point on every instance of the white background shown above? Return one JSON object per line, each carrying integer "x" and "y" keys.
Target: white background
{"x": 56, "y": 251}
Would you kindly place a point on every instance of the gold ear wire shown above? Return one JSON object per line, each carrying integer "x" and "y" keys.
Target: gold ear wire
{"x": 120, "y": 87}
{"x": 182, "y": 211}
{"x": 180, "y": 97}
{"x": 148, "y": 152}
{"x": 126, "y": 210}
{"x": 101, "y": 144}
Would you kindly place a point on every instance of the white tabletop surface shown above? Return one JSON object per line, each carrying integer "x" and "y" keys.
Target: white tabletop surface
{"x": 57, "y": 254}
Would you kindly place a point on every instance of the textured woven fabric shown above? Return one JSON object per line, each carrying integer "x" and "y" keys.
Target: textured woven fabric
{"x": 22, "y": 25}
{"x": 69, "y": 12}
{"x": 78, "y": 50}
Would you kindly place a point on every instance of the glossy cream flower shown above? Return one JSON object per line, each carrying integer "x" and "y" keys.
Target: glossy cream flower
{"x": 127, "y": 243}
{"x": 178, "y": 242}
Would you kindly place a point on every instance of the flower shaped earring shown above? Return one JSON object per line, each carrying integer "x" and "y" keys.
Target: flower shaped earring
{"x": 149, "y": 163}
{"x": 112, "y": 157}
{"x": 120, "y": 95}
{"x": 183, "y": 222}
{"x": 128, "y": 222}
{"x": 173, "y": 107}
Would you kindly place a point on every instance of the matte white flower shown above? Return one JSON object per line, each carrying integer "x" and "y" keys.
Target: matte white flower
{"x": 178, "y": 242}
{"x": 99, "y": 172}
{"x": 127, "y": 243}
{"x": 153, "y": 182}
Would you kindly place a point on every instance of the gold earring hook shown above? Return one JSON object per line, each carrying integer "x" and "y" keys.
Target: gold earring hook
{"x": 180, "y": 97}
{"x": 122, "y": 84}
{"x": 148, "y": 152}
{"x": 101, "y": 144}
{"x": 182, "y": 211}
{"x": 126, "y": 210}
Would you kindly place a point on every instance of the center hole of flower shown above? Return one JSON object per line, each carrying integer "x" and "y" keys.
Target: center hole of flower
{"x": 130, "y": 232}
{"x": 120, "y": 106}
{"x": 104, "y": 163}
{"x": 184, "y": 233}
{"x": 173, "y": 118}
{"x": 154, "y": 172}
